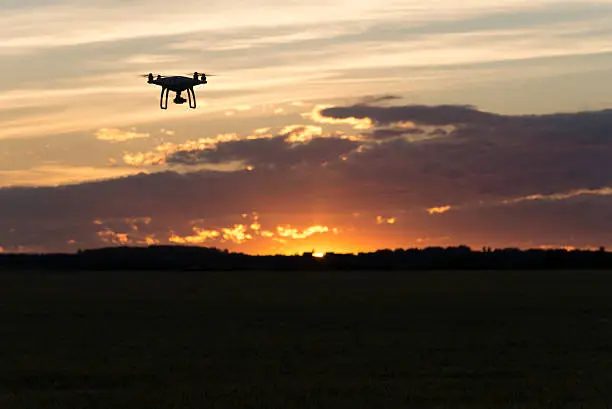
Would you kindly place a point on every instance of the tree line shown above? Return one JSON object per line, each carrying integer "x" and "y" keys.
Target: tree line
{"x": 178, "y": 258}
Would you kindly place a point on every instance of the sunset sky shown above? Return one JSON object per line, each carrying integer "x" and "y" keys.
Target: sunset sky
{"x": 332, "y": 125}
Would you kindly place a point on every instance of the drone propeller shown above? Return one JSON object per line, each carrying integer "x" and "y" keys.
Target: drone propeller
{"x": 202, "y": 73}
{"x": 147, "y": 75}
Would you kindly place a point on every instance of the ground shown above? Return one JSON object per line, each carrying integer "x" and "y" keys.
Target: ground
{"x": 306, "y": 340}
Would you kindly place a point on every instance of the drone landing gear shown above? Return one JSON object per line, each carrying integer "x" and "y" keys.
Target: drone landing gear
{"x": 192, "y": 98}
{"x": 163, "y": 101}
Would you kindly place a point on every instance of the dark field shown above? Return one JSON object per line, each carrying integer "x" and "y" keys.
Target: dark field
{"x": 306, "y": 340}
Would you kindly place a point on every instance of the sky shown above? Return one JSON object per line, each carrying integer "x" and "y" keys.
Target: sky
{"x": 333, "y": 126}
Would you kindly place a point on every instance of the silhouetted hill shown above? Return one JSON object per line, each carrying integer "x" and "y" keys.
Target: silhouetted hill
{"x": 202, "y": 258}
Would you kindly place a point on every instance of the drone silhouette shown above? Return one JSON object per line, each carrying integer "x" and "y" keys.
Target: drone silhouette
{"x": 177, "y": 84}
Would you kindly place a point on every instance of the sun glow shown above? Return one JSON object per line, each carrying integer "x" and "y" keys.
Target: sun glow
{"x": 318, "y": 254}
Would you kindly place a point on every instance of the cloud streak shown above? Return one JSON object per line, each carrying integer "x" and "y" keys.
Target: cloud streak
{"x": 58, "y": 174}
{"x": 604, "y": 191}
{"x": 114, "y": 135}
{"x": 92, "y": 24}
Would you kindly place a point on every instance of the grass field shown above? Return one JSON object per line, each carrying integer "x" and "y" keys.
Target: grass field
{"x": 306, "y": 340}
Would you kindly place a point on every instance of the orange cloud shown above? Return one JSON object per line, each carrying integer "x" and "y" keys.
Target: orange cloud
{"x": 111, "y": 237}
{"x": 149, "y": 241}
{"x": 385, "y": 220}
{"x": 161, "y": 152}
{"x": 200, "y": 236}
{"x": 287, "y": 231}
{"x": 135, "y": 221}
{"x": 144, "y": 159}
{"x": 301, "y": 133}
{"x": 260, "y": 131}
{"x": 239, "y": 233}
{"x": 117, "y": 135}
{"x": 133, "y": 224}
{"x": 439, "y": 209}
{"x": 255, "y": 225}
{"x": 169, "y": 148}
{"x": 236, "y": 234}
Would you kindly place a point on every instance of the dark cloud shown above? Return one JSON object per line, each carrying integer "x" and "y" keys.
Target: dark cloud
{"x": 485, "y": 160}
{"x": 574, "y": 222}
{"x": 425, "y": 115}
{"x": 268, "y": 152}
{"x": 390, "y": 133}
{"x": 488, "y": 154}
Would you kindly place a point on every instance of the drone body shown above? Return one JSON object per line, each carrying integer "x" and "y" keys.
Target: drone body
{"x": 177, "y": 84}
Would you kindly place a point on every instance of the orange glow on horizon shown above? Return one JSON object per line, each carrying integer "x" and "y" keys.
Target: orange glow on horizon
{"x": 255, "y": 234}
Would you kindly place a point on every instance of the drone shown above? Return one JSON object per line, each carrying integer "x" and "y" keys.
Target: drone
{"x": 177, "y": 84}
